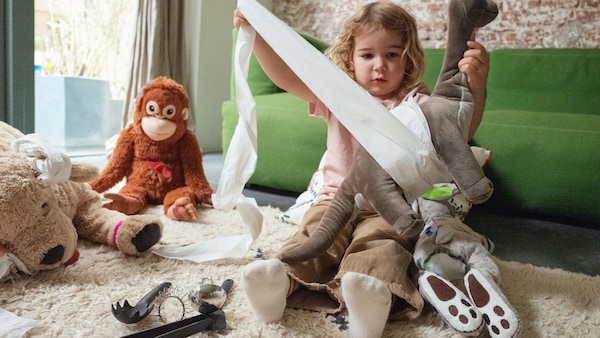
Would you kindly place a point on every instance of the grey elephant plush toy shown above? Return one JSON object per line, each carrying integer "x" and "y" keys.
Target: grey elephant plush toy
{"x": 448, "y": 113}
{"x": 448, "y": 250}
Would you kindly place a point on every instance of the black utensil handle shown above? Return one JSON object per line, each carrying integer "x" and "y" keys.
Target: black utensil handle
{"x": 188, "y": 330}
{"x": 150, "y": 296}
{"x": 181, "y": 327}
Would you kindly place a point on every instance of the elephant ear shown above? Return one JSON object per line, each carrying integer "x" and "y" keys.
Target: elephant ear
{"x": 52, "y": 165}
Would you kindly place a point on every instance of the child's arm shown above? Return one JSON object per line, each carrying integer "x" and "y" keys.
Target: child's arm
{"x": 277, "y": 70}
{"x": 475, "y": 65}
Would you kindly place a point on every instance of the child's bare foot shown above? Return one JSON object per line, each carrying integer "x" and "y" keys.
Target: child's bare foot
{"x": 124, "y": 204}
{"x": 183, "y": 210}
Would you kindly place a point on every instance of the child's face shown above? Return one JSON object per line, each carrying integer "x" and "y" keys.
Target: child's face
{"x": 379, "y": 63}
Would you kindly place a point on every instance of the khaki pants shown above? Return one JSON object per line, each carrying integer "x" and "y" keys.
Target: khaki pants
{"x": 369, "y": 246}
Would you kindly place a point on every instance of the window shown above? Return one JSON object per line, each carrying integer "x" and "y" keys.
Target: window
{"x": 82, "y": 56}
{"x": 88, "y": 38}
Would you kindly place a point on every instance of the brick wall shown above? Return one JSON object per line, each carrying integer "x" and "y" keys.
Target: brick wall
{"x": 521, "y": 23}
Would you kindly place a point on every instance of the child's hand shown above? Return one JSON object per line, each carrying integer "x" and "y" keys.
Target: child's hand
{"x": 475, "y": 65}
{"x": 239, "y": 19}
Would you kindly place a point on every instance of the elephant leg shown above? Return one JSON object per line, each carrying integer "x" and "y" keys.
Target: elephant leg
{"x": 449, "y": 110}
{"x": 338, "y": 214}
{"x": 456, "y": 153}
{"x": 387, "y": 198}
{"x": 464, "y": 17}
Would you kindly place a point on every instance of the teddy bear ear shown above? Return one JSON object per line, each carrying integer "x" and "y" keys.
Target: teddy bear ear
{"x": 84, "y": 172}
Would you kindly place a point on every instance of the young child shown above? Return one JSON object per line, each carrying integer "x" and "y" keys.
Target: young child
{"x": 366, "y": 270}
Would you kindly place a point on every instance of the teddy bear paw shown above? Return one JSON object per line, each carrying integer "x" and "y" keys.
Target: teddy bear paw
{"x": 137, "y": 234}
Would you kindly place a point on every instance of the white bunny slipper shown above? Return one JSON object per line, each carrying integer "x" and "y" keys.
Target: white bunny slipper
{"x": 451, "y": 303}
{"x": 498, "y": 315}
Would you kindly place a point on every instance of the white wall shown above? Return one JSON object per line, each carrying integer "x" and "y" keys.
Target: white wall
{"x": 209, "y": 47}
{"x": 208, "y": 41}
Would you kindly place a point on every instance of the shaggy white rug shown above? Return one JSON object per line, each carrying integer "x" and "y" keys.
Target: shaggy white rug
{"x": 76, "y": 301}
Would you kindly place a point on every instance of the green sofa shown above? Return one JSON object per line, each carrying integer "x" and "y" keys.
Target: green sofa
{"x": 542, "y": 123}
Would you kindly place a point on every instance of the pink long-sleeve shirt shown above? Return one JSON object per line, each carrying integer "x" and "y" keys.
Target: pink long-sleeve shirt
{"x": 341, "y": 144}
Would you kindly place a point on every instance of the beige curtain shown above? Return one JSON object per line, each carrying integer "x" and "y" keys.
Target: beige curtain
{"x": 158, "y": 48}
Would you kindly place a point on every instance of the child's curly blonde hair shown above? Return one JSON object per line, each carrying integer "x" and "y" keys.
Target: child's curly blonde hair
{"x": 381, "y": 15}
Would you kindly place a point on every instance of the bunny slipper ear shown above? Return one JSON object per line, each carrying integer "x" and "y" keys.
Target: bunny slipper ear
{"x": 53, "y": 165}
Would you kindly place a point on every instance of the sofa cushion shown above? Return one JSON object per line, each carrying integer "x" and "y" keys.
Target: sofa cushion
{"x": 543, "y": 162}
{"x": 545, "y": 80}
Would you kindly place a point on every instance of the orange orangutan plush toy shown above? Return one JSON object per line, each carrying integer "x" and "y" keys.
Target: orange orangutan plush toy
{"x": 159, "y": 156}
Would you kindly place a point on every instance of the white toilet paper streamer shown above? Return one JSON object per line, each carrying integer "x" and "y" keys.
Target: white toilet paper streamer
{"x": 238, "y": 166}
{"x": 53, "y": 165}
{"x": 14, "y": 326}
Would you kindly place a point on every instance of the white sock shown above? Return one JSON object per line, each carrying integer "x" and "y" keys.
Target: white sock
{"x": 368, "y": 301}
{"x": 266, "y": 285}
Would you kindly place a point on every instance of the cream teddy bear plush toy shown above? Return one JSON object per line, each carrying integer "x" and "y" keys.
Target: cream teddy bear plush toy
{"x": 46, "y": 206}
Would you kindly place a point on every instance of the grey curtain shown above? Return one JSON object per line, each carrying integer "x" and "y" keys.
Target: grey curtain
{"x": 158, "y": 48}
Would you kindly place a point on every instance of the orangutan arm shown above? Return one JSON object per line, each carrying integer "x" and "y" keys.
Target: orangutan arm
{"x": 118, "y": 164}
{"x": 193, "y": 170}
